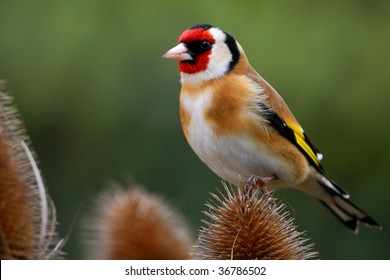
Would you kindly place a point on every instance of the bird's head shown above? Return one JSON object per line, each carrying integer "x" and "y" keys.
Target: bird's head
{"x": 205, "y": 52}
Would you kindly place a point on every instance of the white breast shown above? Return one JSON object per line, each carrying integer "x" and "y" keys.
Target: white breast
{"x": 229, "y": 156}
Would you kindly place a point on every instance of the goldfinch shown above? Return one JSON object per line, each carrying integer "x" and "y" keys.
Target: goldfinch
{"x": 241, "y": 127}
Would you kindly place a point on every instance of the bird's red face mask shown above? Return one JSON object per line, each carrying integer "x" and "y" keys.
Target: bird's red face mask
{"x": 193, "y": 51}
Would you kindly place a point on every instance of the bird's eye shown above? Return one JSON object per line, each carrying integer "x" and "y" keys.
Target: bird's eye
{"x": 205, "y": 45}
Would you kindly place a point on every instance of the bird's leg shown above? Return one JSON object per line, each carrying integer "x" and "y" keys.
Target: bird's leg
{"x": 248, "y": 186}
{"x": 257, "y": 181}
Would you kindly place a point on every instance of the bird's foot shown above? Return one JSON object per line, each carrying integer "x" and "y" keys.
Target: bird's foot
{"x": 259, "y": 182}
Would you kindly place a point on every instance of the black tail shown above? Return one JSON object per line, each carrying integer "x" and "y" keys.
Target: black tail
{"x": 348, "y": 213}
{"x": 336, "y": 199}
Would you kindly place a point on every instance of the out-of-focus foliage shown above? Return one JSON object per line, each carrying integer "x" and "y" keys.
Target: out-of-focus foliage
{"x": 100, "y": 104}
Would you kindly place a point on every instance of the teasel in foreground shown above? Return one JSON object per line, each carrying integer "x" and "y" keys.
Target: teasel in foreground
{"x": 135, "y": 224}
{"x": 242, "y": 225}
{"x": 27, "y": 213}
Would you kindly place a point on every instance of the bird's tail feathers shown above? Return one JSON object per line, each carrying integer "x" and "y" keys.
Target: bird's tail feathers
{"x": 339, "y": 189}
{"x": 336, "y": 199}
{"x": 347, "y": 212}
{"x": 332, "y": 187}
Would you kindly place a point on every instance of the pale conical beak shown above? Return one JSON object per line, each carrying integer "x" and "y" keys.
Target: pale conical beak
{"x": 180, "y": 52}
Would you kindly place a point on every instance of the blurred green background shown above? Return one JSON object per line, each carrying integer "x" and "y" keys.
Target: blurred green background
{"x": 100, "y": 104}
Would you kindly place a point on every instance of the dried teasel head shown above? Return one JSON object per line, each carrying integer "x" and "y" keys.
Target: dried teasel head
{"x": 27, "y": 214}
{"x": 135, "y": 225}
{"x": 243, "y": 225}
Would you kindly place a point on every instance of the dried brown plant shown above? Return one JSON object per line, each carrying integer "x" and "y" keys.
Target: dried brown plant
{"x": 244, "y": 225}
{"x": 135, "y": 224}
{"x": 27, "y": 214}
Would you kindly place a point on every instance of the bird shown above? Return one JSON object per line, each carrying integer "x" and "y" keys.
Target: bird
{"x": 240, "y": 127}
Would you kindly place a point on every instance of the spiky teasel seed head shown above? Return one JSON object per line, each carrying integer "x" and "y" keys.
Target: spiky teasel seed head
{"x": 243, "y": 226}
{"x": 27, "y": 220}
{"x": 135, "y": 224}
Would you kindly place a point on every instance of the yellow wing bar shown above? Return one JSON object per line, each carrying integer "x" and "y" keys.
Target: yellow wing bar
{"x": 303, "y": 141}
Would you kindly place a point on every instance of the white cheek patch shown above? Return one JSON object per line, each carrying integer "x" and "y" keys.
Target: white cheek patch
{"x": 218, "y": 65}
{"x": 219, "y": 60}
